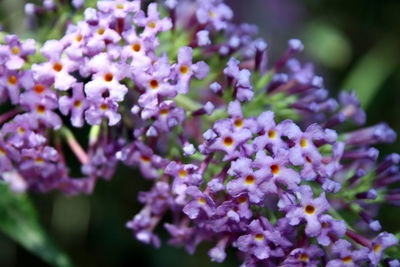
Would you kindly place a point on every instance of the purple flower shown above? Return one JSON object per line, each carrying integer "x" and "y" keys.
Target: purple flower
{"x": 142, "y": 225}
{"x": 260, "y": 238}
{"x": 76, "y": 104}
{"x": 309, "y": 209}
{"x": 166, "y": 115}
{"x": 158, "y": 198}
{"x": 102, "y": 108}
{"x": 243, "y": 87}
{"x": 380, "y": 133}
{"x": 14, "y": 53}
{"x": 382, "y": 241}
{"x": 152, "y": 23}
{"x": 199, "y": 202}
{"x": 105, "y": 83}
{"x": 269, "y": 133}
{"x": 203, "y": 38}
{"x": 140, "y": 154}
{"x": 329, "y": 227}
{"x": 228, "y": 140}
{"x": 249, "y": 181}
{"x": 137, "y": 50}
{"x": 347, "y": 256}
{"x": 41, "y": 161}
{"x": 21, "y": 132}
{"x": 303, "y": 256}
{"x": 11, "y": 83}
{"x": 185, "y": 69}
{"x": 277, "y": 171}
{"x": 184, "y": 175}
{"x": 8, "y": 154}
{"x": 217, "y": 14}
{"x": 41, "y": 109}
{"x": 119, "y": 8}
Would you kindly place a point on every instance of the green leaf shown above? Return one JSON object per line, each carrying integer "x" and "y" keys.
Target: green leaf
{"x": 369, "y": 74}
{"x": 19, "y": 220}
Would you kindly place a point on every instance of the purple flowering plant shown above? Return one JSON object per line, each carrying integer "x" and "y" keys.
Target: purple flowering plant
{"x": 239, "y": 152}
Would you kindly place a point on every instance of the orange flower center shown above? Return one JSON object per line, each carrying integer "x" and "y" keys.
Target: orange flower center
{"x": 39, "y": 160}
{"x": 304, "y": 257}
{"x": 309, "y": 209}
{"x": 39, "y": 88}
{"x": 250, "y": 179}
{"x": 41, "y": 109}
{"x": 136, "y": 47}
{"x": 103, "y": 107}
{"x": 238, "y": 123}
{"x": 184, "y": 69}
{"x": 347, "y": 259}
{"x": 77, "y": 103}
{"x": 145, "y": 158}
{"x": 242, "y": 199}
{"x": 228, "y": 141}
{"x": 108, "y": 77}
{"x": 57, "y": 67}
{"x": 164, "y": 111}
{"x": 153, "y": 84}
{"x": 272, "y": 134}
{"x": 12, "y": 80}
{"x": 275, "y": 169}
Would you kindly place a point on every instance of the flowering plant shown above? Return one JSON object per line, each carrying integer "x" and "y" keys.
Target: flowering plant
{"x": 240, "y": 152}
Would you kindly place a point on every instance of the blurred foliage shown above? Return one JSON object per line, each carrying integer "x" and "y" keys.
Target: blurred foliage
{"x": 353, "y": 45}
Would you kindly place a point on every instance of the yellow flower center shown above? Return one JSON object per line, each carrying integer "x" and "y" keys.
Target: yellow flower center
{"x": 202, "y": 200}
{"x": 101, "y": 31}
{"x": 271, "y": 134}
{"x": 347, "y": 259}
{"x": 303, "y": 143}
{"x": 182, "y": 173}
{"x": 259, "y": 237}
{"x": 15, "y": 50}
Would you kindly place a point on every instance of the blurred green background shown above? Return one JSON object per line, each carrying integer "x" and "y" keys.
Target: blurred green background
{"x": 354, "y": 45}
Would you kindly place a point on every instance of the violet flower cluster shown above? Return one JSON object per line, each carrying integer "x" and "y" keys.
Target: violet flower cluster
{"x": 241, "y": 153}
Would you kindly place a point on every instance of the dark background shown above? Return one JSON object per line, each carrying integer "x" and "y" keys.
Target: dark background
{"x": 354, "y": 44}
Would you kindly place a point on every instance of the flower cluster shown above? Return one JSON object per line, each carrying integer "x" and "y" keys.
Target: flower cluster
{"x": 240, "y": 153}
